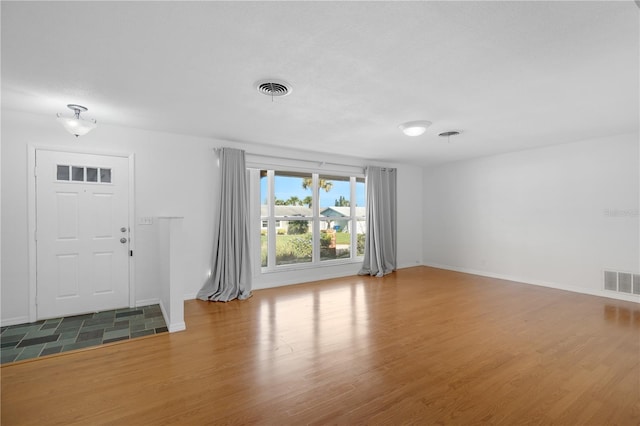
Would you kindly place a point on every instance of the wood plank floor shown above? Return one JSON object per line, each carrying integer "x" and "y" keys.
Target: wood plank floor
{"x": 421, "y": 346}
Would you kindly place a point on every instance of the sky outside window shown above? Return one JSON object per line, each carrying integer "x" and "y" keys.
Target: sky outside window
{"x": 287, "y": 187}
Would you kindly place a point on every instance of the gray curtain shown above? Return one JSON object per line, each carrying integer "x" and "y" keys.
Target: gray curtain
{"x": 231, "y": 270}
{"x": 380, "y": 245}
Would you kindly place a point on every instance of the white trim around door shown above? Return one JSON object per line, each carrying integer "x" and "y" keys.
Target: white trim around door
{"x": 31, "y": 208}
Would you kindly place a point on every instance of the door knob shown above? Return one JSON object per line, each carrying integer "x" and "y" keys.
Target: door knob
{"x": 123, "y": 229}
{"x": 123, "y": 240}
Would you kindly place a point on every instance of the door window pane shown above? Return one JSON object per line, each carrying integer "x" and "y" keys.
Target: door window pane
{"x": 77, "y": 174}
{"x": 82, "y": 174}
{"x": 92, "y": 174}
{"x": 105, "y": 175}
{"x": 63, "y": 173}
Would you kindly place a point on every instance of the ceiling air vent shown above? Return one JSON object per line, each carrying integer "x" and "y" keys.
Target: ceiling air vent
{"x": 273, "y": 87}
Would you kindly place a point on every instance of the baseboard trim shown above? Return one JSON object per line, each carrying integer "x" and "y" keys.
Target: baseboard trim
{"x": 14, "y": 321}
{"x": 540, "y": 283}
{"x": 172, "y": 327}
{"x": 147, "y": 302}
{"x": 180, "y": 326}
{"x": 164, "y": 313}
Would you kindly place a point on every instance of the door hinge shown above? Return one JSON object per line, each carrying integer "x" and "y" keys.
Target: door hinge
{"x": 35, "y": 235}
{"x": 130, "y": 253}
{"x": 35, "y": 171}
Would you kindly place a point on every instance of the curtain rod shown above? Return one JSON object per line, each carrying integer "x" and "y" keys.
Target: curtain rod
{"x": 319, "y": 162}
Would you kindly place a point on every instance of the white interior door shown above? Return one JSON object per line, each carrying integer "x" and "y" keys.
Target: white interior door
{"x": 82, "y": 233}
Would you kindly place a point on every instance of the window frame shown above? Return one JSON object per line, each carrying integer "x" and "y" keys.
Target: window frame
{"x": 71, "y": 178}
{"x": 314, "y": 220}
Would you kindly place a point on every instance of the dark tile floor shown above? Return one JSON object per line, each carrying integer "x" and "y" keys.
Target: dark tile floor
{"x": 46, "y": 337}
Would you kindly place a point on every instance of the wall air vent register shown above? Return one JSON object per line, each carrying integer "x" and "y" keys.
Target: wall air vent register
{"x": 622, "y": 282}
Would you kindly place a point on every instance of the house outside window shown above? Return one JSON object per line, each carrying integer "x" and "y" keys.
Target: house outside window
{"x": 265, "y": 224}
{"x": 310, "y": 219}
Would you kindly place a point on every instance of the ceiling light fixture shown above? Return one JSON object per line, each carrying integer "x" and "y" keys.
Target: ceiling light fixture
{"x": 76, "y": 125}
{"x": 414, "y": 128}
{"x": 449, "y": 134}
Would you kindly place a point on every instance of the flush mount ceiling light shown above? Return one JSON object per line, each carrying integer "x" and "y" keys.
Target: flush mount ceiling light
{"x": 414, "y": 128}
{"x": 76, "y": 125}
{"x": 272, "y": 87}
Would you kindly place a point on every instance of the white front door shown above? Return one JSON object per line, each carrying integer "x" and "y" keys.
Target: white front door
{"x": 82, "y": 233}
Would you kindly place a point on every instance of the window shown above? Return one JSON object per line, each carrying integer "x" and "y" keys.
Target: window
{"x": 265, "y": 224}
{"x": 77, "y": 174}
{"x": 308, "y": 219}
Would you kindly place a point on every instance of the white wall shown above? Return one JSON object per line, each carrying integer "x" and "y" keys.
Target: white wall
{"x": 171, "y": 254}
{"x": 172, "y": 177}
{"x": 541, "y": 216}
{"x": 410, "y": 223}
{"x": 175, "y": 175}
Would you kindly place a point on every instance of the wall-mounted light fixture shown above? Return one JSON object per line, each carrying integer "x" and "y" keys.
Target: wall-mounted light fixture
{"x": 414, "y": 128}
{"x": 76, "y": 125}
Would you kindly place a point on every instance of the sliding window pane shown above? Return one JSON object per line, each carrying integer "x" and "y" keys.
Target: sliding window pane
{"x": 294, "y": 242}
{"x": 361, "y": 212}
{"x": 360, "y": 194}
{"x": 264, "y": 247}
{"x": 335, "y": 239}
{"x": 361, "y": 230}
{"x": 293, "y": 190}
{"x": 264, "y": 219}
{"x": 293, "y": 198}
{"x": 264, "y": 194}
{"x": 335, "y": 195}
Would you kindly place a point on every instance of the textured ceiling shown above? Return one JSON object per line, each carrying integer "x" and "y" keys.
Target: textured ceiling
{"x": 509, "y": 75}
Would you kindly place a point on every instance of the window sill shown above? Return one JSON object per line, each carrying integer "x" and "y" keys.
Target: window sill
{"x": 307, "y": 266}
